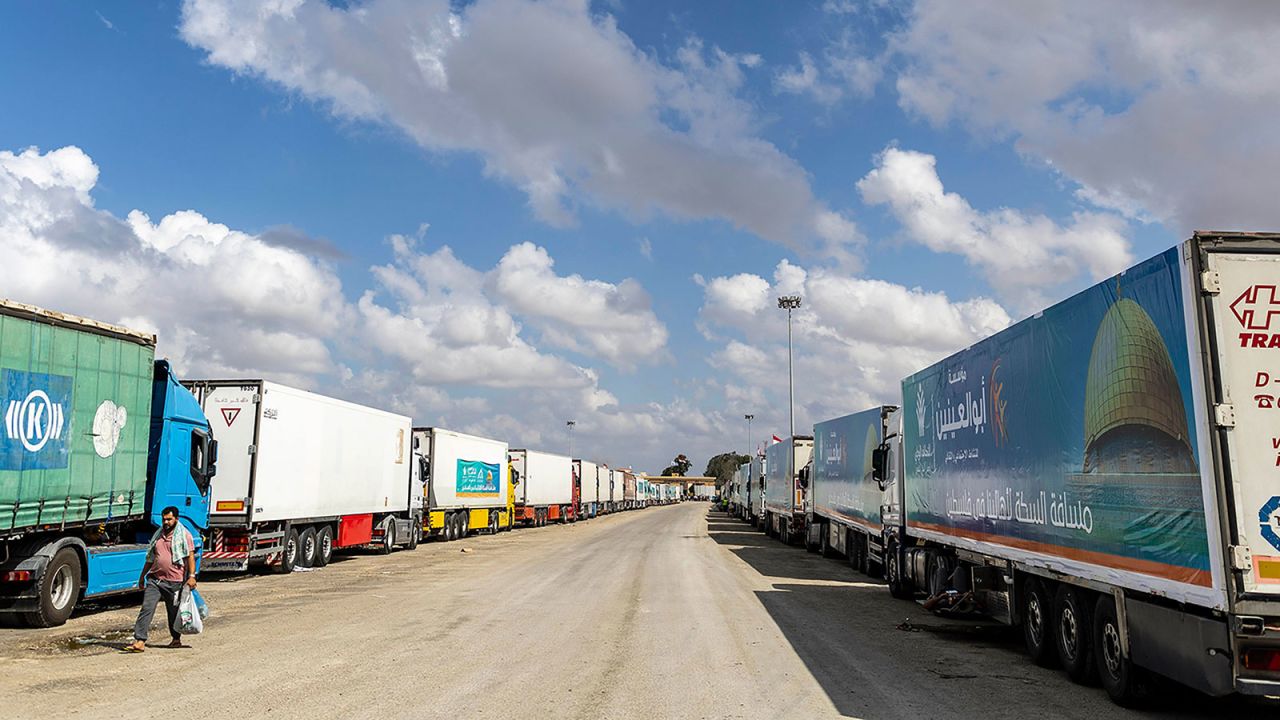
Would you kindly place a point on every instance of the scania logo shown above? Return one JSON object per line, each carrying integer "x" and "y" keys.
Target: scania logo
{"x": 33, "y": 421}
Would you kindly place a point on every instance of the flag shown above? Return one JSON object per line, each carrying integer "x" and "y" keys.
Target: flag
{"x": 777, "y": 439}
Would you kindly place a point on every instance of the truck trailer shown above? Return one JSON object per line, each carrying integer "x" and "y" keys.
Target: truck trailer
{"x": 755, "y": 492}
{"x": 1105, "y": 475}
{"x": 784, "y": 491}
{"x": 543, "y": 485}
{"x": 587, "y": 476}
{"x": 304, "y": 475}
{"x": 845, "y": 496}
{"x": 630, "y": 501}
{"x": 98, "y": 439}
{"x": 468, "y": 483}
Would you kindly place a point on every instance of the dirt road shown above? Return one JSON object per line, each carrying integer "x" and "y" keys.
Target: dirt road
{"x": 669, "y": 612}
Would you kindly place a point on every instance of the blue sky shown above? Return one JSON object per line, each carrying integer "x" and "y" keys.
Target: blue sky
{"x": 927, "y": 175}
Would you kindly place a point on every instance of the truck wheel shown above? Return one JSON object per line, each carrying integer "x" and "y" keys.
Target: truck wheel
{"x": 307, "y": 548}
{"x": 451, "y": 527}
{"x": 464, "y": 524}
{"x": 493, "y": 523}
{"x": 415, "y": 533}
{"x": 388, "y": 538}
{"x": 1073, "y": 632}
{"x": 898, "y": 585}
{"x": 1036, "y": 613}
{"x": 58, "y": 591}
{"x": 324, "y": 546}
{"x": 288, "y": 553}
{"x": 1124, "y": 681}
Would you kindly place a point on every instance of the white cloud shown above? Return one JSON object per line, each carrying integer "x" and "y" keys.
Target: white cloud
{"x": 855, "y": 339}
{"x": 1142, "y": 103}
{"x": 554, "y": 98}
{"x": 434, "y": 338}
{"x": 1022, "y": 255}
{"x": 844, "y": 71}
{"x": 222, "y": 301}
{"x": 596, "y": 318}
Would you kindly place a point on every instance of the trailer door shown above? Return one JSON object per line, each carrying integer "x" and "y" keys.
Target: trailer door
{"x": 1245, "y": 314}
{"x": 233, "y": 412}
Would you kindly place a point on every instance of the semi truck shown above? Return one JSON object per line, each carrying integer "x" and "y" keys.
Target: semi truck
{"x": 543, "y": 485}
{"x": 98, "y": 439}
{"x": 845, "y": 496}
{"x": 1105, "y": 475}
{"x": 738, "y": 496}
{"x": 755, "y": 492}
{"x": 629, "y": 488}
{"x": 468, "y": 483}
{"x": 587, "y": 474}
{"x": 784, "y": 487}
{"x": 303, "y": 475}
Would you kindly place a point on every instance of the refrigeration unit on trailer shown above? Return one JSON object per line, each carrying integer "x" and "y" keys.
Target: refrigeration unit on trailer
{"x": 468, "y": 484}
{"x": 543, "y": 485}
{"x": 589, "y": 490}
{"x": 845, "y": 496}
{"x": 98, "y": 438}
{"x": 784, "y": 492}
{"x": 1106, "y": 475}
{"x": 304, "y": 475}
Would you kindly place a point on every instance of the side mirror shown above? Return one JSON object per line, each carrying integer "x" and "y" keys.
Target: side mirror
{"x": 879, "y": 464}
{"x": 515, "y": 476}
{"x": 417, "y": 442}
{"x": 804, "y": 477}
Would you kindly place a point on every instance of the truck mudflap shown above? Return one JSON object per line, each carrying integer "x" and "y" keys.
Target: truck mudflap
{"x": 1193, "y": 650}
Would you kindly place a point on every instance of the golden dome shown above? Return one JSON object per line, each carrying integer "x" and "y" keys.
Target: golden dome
{"x": 1131, "y": 379}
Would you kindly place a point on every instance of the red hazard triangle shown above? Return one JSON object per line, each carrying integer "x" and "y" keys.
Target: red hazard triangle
{"x": 229, "y": 414}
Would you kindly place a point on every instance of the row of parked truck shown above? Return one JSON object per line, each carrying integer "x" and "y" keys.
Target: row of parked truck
{"x": 1104, "y": 475}
{"x": 99, "y": 437}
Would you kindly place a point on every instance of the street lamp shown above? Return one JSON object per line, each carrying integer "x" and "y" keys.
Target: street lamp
{"x": 789, "y": 303}
{"x": 570, "y": 425}
{"x": 749, "y": 418}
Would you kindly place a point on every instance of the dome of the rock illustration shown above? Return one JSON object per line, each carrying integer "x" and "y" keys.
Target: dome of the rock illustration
{"x": 1134, "y": 421}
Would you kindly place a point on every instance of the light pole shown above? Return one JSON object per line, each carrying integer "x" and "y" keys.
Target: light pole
{"x": 569, "y": 424}
{"x": 789, "y": 303}
{"x": 750, "y": 451}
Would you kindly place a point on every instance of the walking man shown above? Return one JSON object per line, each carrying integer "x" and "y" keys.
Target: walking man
{"x": 170, "y": 563}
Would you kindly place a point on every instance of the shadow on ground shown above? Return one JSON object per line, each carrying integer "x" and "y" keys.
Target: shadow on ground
{"x": 878, "y": 658}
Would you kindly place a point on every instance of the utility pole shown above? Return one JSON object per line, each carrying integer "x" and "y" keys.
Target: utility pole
{"x": 750, "y": 449}
{"x": 789, "y": 303}
{"x": 570, "y": 425}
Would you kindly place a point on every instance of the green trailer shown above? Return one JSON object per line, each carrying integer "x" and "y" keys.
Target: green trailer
{"x": 75, "y": 396}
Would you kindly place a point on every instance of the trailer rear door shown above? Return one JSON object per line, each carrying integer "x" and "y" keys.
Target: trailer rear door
{"x": 233, "y": 413}
{"x": 1245, "y": 314}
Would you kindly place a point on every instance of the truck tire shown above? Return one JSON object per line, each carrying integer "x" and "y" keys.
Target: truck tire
{"x": 288, "y": 553}
{"x": 494, "y": 528}
{"x": 324, "y": 546}
{"x": 307, "y": 548}
{"x": 1125, "y": 682}
{"x": 899, "y": 587}
{"x": 415, "y": 533}
{"x": 464, "y": 524}
{"x": 1073, "y": 634}
{"x": 809, "y": 544}
{"x": 939, "y": 577}
{"x": 450, "y": 527}
{"x": 59, "y": 590}
{"x": 855, "y": 547}
{"x": 1036, "y": 623}
{"x": 388, "y": 538}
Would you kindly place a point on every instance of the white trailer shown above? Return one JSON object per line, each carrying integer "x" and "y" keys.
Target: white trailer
{"x": 785, "y": 497}
{"x": 615, "y": 487}
{"x": 468, "y": 484}
{"x": 301, "y": 474}
{"x": 543, "y": 486}
{"x": 588, "y": 474}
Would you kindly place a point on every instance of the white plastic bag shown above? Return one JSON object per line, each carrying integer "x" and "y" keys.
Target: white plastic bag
{"x": 188, "y": 621}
